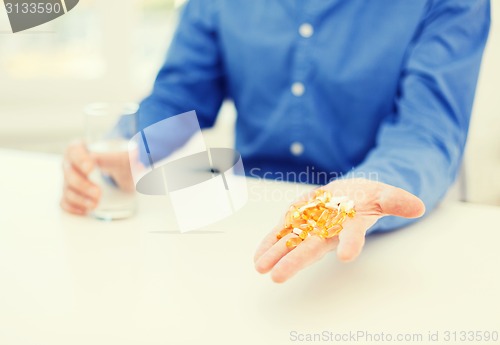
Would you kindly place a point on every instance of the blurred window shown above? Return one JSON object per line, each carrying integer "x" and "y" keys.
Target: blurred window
{"x": 110, "y": 49}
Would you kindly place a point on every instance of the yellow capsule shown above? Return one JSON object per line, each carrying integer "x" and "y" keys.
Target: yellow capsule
{"x": 334, "y": 216}
{"x": 294, "y": 212}
{"x": 322, "y": 218}
{"x": 320, "y": 194}
{"x": 317, "y": 213}
{"x": 283, "y": 232}
{"x": 318, "y": 216}
{"x": 296, "y": 223}
{"x": 309, "y": 205}
{"x": 315, "y": 231}
{"x": 309, "y": 212}
{"x": 311, "y": 222}
{"x": 305, "y": 227}
{"x": 329, "y": 225}
{"x": 288, "y": 219}
{"x": 342, "y": 217}
{"x": 323, "y": 233}
{"x": 293, "y": 242}
{"x": 292, "y": 221}
{"x": 334, "y": 230}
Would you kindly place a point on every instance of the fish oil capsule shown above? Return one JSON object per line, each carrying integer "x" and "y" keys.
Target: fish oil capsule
{"x": 296, "y": 223}
{"x": 323, "y": 233}
{"x": 316, "y": 213}
{"x": 283, "y": 232}
{"x": 321, "y": 215}
{"x": 342, "y": 217}
{"x": 346, "y": 206}
{"x": 306, "y": 227}
{"x": 307, "y": 206}
{"x": 288, "y": 219}
{"x": 334, "y": 230}
{"x": 333, "y": 219}
{"x": 311, "y": 222}
{"x": 351, "y": 213}
{"x": 303, "y": 235}
{"x": 309, "y": 213}
{"x": 293, "y": 242}
{"x": 322, "y": 219}
{"x": 294, "y": 212}
{"x": 315, "y": 231}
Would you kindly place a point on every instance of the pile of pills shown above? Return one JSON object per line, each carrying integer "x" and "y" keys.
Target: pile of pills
{"x": 321, "y": 216}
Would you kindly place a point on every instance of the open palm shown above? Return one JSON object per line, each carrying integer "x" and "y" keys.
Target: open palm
{"x": 372, "y": 200}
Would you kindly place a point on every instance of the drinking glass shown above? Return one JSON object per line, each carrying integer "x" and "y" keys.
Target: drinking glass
{"x": 107, "y": 129}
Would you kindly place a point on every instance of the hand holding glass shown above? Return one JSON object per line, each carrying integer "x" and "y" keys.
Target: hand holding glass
{"x": 107, "y": 126}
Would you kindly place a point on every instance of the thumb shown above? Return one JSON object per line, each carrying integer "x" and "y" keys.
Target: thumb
{"x": 398, "y": 202}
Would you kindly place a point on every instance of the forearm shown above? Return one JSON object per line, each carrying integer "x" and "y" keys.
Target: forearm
{"x": 420, "y": 146}
{"x": 191, "y": 83}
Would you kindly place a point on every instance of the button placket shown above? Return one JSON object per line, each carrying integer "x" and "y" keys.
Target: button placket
{"x": 300, "y": 75}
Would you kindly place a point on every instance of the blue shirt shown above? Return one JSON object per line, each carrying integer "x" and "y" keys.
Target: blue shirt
{"x": 381, "y": 89}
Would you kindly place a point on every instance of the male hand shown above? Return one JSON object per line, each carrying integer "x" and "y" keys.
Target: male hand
{"x": 80, "y": 194}
{"x": 372, "y": 200}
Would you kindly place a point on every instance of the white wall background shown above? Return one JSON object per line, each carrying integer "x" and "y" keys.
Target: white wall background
{"x": 43, "y": 112}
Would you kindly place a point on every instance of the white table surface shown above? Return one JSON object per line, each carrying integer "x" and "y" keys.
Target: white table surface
{"x": 71, "y": 280}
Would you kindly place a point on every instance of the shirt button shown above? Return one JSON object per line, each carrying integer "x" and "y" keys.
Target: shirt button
{"x": 306, "y": 30}
{"x": 296, "y": 148}
{"x": 298, "y": 89}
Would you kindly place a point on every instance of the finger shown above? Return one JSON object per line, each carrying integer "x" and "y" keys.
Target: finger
{"x": 271, "y": 239}
{"x": 78, "y": 156}
{"x": 118, "y": 167}
{"x": 306, "y": 253}
{"x": 75, "y": 199}
{"x": 80, "y": 183}
{"x": 398, "y": 202}
{"x": 351, "y": 240}
{"x": 124, "y": 181}
{"x": 271, "y": 257}
{"x": 71, "y": 208}
{"x": 267, "y": 242}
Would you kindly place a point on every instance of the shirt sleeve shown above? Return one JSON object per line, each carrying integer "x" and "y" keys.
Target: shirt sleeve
{"x": 192, "y": 76}
{"x": 419, "y": 147}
